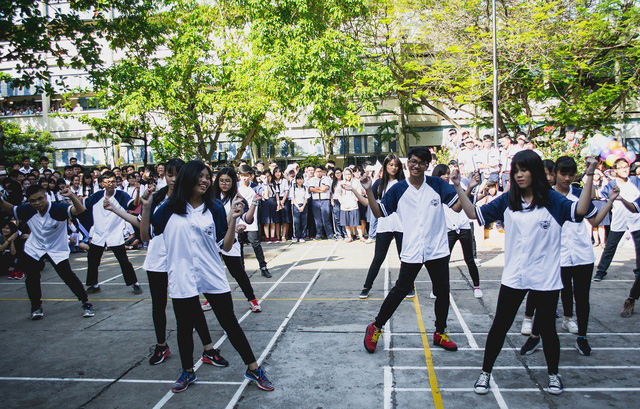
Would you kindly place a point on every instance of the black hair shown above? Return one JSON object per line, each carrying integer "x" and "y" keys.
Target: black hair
{"x": 68, "y": 167}
{"x": 334, "y": 179}
{"x": 33, "y": 189}
{"x": 300, "y": 175}
{"x": 453, "y": 162}
{"x": 245, "y": 169}
{"x": 44, "y": 158}
{"x": 549, "y": 165}
{"x": 615, "y": 163}
{"x": 421, "y": 152}
{"x": 531, "y": 161}
{"x": 12, "y": 227}
{"x": 173, "y": 166}
{"x": 570, "y": 128}
{"x": 565, "y": 164}
{"x": 321, "y": 167}
{"x": 217, "y": 192}
{"x": 487, "y": 138}
{"x": 440, "y": 170}
{"x": 186, "y": 180}
{"x": 384, "y": 181}
{"x": 108, "y": 174}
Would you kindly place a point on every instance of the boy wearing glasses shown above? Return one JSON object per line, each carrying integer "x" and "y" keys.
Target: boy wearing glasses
{"x": 418, "y": 202}
{"x": 622, "y": 219}
{"x": 107, "y": 232}
{"x": 48, "y": 239}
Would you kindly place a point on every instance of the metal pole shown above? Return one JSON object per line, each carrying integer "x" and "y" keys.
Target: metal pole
{"x": 495, "y": 78}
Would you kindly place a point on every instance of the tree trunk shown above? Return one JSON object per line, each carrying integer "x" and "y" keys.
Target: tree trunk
{"x": 246, "y": 141}
{"x": 440, "y": 112}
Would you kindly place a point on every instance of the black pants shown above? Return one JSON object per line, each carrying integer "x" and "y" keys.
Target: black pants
{"x": 158, "y": 283}
{"x": 577, "y": 284}
{"x": 33, "y": 268}
{"x": 253, "y": 237}
{"x": 189, "y": 312}
{"x": 7, "y": 260}
{"x": 237, "y": 271}
{"x": 509, "y": 300}
{"x": 465, "y": 237}
{"x": 611, "y": 245}
{"x": 383, "y": 241}
{"x": 95, "y": 256}
{"x": 635, "y": 289}
{"x": 438, "y": 271}
{"x": 529, "y": 307}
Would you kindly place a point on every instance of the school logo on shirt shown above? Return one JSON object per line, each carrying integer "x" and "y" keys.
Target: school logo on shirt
{"x": 209, "y": 230}
{"x": 545, "y": 225}
{"x": 435, "y": 202}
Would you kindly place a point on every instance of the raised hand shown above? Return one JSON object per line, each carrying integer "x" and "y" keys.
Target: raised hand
{"x": 146, "y": 197}
{"x": 241, "y": 228}
{"x": 455, "y": 177}
{"x": 474, "y": 180}
{"x": 257, "y": 197}
{"x": 348, "y": 187}
{"x": 66, "y": 192}
{"x": 13, "y": 237}
{"x": 107, "y": 204}
{"x": 591, "y": 164}
{"x": 237, "y": 207}
{"x": 614, "y": 193}
{"x": 365, "y": 181}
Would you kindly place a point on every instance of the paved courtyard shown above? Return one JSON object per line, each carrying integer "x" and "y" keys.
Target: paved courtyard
{"x": 309, "y": 338}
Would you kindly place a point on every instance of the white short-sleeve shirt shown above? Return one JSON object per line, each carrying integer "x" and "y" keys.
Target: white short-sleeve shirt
{"x": 48, "y": 233}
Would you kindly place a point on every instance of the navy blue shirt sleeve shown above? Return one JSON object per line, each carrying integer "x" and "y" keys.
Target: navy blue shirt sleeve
{"x": 605, "y": 190}
{"x": 563, "y": 209}
{"x": 60, "y": 211}
{"x": 124, "y": 199}
{"x": 592, "y": 208}
{"x": 374, "y": 188}
{"x": 494, "y": 210}
{"x": 24, "y": 212}
{"x": 447, "y": 192}
{"x": 159, "y": 219}
{"x": 389, "y": 203}
{"x": 220, "y": 221}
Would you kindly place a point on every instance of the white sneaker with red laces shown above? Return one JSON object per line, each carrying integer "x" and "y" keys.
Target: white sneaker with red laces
{"x": 206, "y": 306}
{"x": 254, "y": 306}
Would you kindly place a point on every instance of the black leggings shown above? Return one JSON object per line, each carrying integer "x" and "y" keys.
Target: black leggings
{"x": 438, "y": 271}
{"x": 158, "y": 282}
{"x": 509, "y": 300}
{"x": 189, "y": 312}
{"x": 577, "y": 283}
{"x": 237, "y": 271}
{"x": 33, "y": 268}
{"x": 94, "y": 256}
{"x": 465, "y": 237}
{"x": 383, "y": 241}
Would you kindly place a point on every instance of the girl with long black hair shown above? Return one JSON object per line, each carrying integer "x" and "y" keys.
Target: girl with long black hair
{"x": 388, "y": 227}
{"x": 225, "y": 188}
{"x": 533, "y": 216}
{"x": 195, "y": 227}
{"x": 269, "y": 216}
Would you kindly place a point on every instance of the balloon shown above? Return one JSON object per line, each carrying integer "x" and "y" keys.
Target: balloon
{"x": 631, "y": 156}
{"x": 610, "y": 159}
{"x": 605, "y": 153}
{"x": 613, "y": 145}
{"x": 619, "y": 152}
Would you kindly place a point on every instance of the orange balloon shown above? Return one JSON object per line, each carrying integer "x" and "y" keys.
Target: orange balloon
{"x": 613, "y": 145}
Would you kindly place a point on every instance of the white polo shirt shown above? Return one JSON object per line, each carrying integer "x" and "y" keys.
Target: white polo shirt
{"x": 48, "y": 233}
{"x": 576, "y": 237}
{"x": 315, "y": 182}
{"x": 421, "y": 217}
{"x": 108, "y": 226}
{"x": 156, "y": 259}
{"x": 248, "y": 193}
{"x": 623, "y": 219}
{"x": 193, "y": 243}
{"x": 532, "y": 240}
{"x": 235, "y": 249}
{"x": 390, "y": 223}
{"x": 300, "y": 194}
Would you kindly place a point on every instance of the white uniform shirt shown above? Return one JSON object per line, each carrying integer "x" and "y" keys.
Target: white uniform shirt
{"x": 248, "y": 193}
{"x": 156, "y": 259}
{"x": 421, "y": 217}
{"x": 235, "y": 249}
{"x": 390, "y": 223}
{"x": 466, "y": 160}
{"x": 487, "y": 156}
{"x": 162, "y": 182}
{"x": 283, "y": 188}
{"x": 300, "y": 194}
{"x": 315, "y": 182}
{"x": 576, "y": 238}
{"x": 623, "y": 219}
{"x": 532, "y": 240}
{"x": 108, "y": 226}
{"x": 48, "y": 232}
{"x": 193, "y": 242}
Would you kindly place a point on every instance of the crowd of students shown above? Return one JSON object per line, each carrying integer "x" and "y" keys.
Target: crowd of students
{"x": 208, "y": 215}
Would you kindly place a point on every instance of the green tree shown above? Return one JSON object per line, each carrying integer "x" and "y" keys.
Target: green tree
{"x": 16, "y": 143}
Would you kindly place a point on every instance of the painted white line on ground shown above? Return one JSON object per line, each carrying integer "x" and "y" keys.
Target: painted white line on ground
{"x": 388, "y": 387}
{"x": 113, "y": 278}
{"x": 107, "y": 380}
{"x": 511, "y": 368}
{"x": 518, "y": 349}
{"x": 527, "y": 390}
{"x": 198, "y": 364}
{"x": 283, "y": 282}
{"x": 605, "y": 334}
{"x": 275, "y": 337}
{"x": 499, "y": 281}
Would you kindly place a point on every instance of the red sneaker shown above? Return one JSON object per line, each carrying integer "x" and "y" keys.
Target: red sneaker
{"x": 12, "y": 276}
{"x": 19, "y": 275}
{"x": 254, "y": 306}
{"x": 443, "y": 341}
{"x": 371, "y": 338}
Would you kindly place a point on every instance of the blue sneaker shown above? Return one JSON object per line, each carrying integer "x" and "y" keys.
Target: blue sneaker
{"x": 183, "y": 382}
{"x": 259, "y": 376}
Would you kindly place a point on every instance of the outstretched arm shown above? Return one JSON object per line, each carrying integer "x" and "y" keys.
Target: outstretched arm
{"x": 585, "y": 197}
{"x": 599, "y": 217}
{"x": 365, "y": 181}
{"x": 463, "y": 199}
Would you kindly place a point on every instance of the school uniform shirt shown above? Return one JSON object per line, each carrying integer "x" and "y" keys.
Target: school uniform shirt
{"x": 248, "y": 193}
{"x": 24, "y": 170}
{"x": 108, "y": 226}
{"x": 466, "y": 160}
{"x": 348, "y": 199}
{"x": 390, "y": 223}
{"x": 162, "y": 182}
{"x": 576, "y": 237}
{"x": 456, "y": 221}
{"x": 283, "y": 188}
{"x": 156, "y": 259}
{"x": 533, "y": 240}
{"x": 421, "y": 217}
{"x": 235, "y": 249}
{"x": 48, "y": 233}
{"x": 324, "y": 181}
{"x": 623, "y": 219}
{"x": 300, "y": 194}
{"x": 487, "y": 156}
{"x": 193, "y": 242}
{"x": 506, "y": 157}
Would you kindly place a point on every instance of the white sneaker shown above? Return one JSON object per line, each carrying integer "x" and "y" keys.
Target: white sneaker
{"x": 477, "y": 261}
{"x": 369, "y": 241}
{"x": 527, "y": 324}
{"x": 294, "y": 240}
{"x": 302, "y": 240}
{"x": 570, "y": 325}
{"x": 477, "y": 292}
{"x": 206, "y": 306}
{"x": 432, "y": 295}
{"x": 482, "y": 385}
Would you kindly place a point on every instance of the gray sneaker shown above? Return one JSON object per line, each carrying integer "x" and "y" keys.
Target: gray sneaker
{"x": 627, "y": 308}
{"x": 36, "y": 314}
{"x": 555, "y": 385}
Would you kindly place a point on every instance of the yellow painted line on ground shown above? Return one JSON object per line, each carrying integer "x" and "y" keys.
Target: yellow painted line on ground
{"x": 201, "y": 299}
{"x": 435, "y": 390}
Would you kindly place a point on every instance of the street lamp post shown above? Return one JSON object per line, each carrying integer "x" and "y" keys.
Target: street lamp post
{"x": 495, "y": 76}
